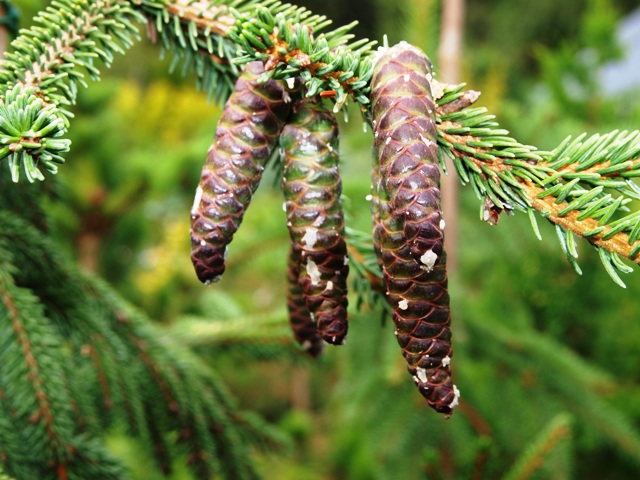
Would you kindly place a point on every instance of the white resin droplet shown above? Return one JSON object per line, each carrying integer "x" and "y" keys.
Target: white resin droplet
{"x": 456, "y": 397}
{"x": 429, "y": 260}
{"x": 203, "y": 243}
{"x": 406, "y": 77}
{"x": 284, "y": 207}
{"x": 308, "y": 148}
{"x": 403, "y": 304}
{"x": 442, "y": 224}
{"x": 387, "y": 141}
{"x": 196, "y": 201}
{"x": 426, "y": 140}
{"x": 368, "y": 198}
{"x": 291, "y": 82}
{"x": 236, "y": 150}
{"x": 329, "y": 285}
{"x": 421, "y": 374}
{"x": 446, "y": 361}
{"x": 247, "y": 132}
{"x": 213, "y": 280}
{"x": 310, "y": 237}
{"x": 313, "y": 272}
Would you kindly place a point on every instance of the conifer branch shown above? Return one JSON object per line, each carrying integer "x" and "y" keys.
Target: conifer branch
{"x": 290, "y": 46}
{"x": 43, "y": 406}
{"x": 572, "y": 186}
{"x": 533, "y": 458}
{"x": 33, "y": 382}
{"x": 50, "y": 56}
{"x": 197, "y": 410}
{"x": 619, "y": 243}
{"x": 207, "y": 17}
{"x": 206, "y": 425}
{"x": 573, "y": 378}
{"x": 40, "y": 77}
{"x": 268, "y": 327}
{"x": 367, "y": 281}
{"x": 195, "y": 34}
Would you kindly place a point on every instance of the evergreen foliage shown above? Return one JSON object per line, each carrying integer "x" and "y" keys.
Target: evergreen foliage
{"x": 77, "y": 360}
{"x": 91, "y": 363}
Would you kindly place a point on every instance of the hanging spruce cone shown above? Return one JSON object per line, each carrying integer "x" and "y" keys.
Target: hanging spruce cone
{"x": 409, "y": 226}
{"x": 302, "y": 324}
{"x": 245, "y": 137}
{"x": 312, "y": 189}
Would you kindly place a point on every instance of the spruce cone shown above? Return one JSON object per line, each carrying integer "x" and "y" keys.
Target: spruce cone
{"x": 245, "y": 137}
{"x": 312, "y": 189}
{"x": 302, "y": 324}
{"x": 409, "y": 225}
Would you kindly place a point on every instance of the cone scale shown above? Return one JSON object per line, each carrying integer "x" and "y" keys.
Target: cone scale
{"x": 246, "y": 134}
{"x": 312, "y": 189}
{"x": 408, "y": 221}
{"x": 302, "y": 323}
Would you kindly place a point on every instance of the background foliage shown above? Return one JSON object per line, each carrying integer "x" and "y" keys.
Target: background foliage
{"x": 546, "y": 360}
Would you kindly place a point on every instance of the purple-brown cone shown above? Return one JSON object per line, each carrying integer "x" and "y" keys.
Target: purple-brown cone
{"x": 245, "y": 137}
{"x": 312, "y": 189}
{"x": 407, "y": 219}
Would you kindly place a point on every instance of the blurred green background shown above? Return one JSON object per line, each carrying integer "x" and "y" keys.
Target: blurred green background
{"x": 548, "y": 362}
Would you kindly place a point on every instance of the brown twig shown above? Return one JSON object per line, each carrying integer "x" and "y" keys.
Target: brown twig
{"x": 44, "y": 410}
{"x": 618, "y": 243}
{"x": 212, "y": 18}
